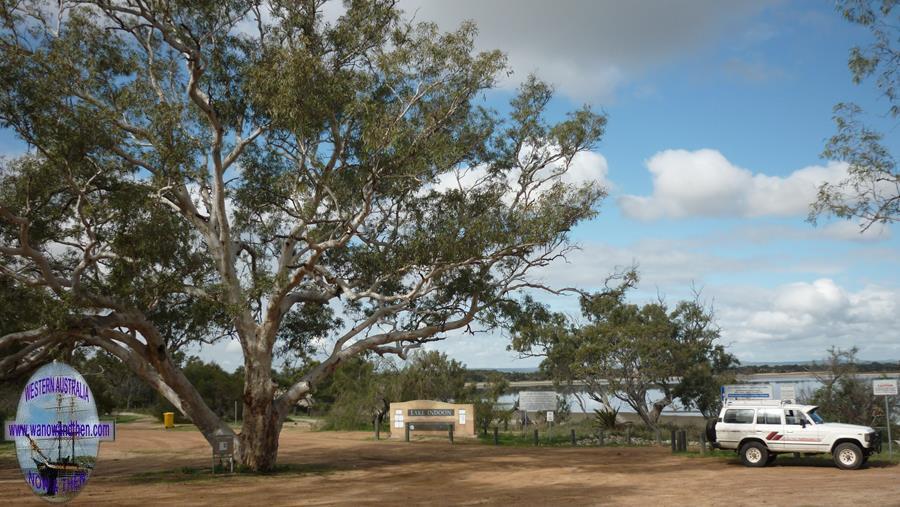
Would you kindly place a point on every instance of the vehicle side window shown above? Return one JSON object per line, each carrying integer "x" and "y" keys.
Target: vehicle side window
{"x": 794, "y": 417}
{"x": 739, "y": 416}
{"x": 769, "y": 416}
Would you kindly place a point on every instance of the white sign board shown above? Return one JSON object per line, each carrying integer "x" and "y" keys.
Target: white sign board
{"x": 462, "y": 416}
{"x": 398, "y": 418}
{"x": 788, "y": 392}
{"x": 748, "y": 392}
{"x": 537, "y": 401}
{"x": 549, "y": 416}
{"x": 885, "y": 387}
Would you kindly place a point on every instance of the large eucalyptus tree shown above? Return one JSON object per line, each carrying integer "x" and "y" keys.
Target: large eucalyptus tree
{"x": 208, "y": 169}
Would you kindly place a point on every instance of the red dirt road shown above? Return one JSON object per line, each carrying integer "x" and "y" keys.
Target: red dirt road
{"x": 350, "y": 469}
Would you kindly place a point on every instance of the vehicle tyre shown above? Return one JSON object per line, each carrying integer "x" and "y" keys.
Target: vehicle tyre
{"x": 711, "y": 431}
{"x": 754, "y": 454}
{"x": 848, "y": 456}
{"x": 771, "y": 459}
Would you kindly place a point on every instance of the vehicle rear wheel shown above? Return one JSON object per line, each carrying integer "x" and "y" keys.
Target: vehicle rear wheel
{"x": 754, "y": 454}
{"x": 848, "y": 456}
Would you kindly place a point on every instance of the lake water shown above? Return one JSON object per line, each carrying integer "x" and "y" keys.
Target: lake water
{"x": 804, "y": 385}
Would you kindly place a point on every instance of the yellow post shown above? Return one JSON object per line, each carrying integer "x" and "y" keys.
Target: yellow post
{"x": 169, "y": 419}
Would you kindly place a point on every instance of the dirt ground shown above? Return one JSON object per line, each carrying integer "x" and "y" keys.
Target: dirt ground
{"x": 143, "y": 467}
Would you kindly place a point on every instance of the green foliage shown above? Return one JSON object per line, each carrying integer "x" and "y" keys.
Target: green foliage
{"x": 844, "y": 397}
{"x": 626, "y": 350}
{"x": 871, "y": 190}
{"x": 431, "y": 375}
{"x": 486, "y": 410}
{"x": 219, "y": 389}
{"x": 209, "y": 170}
{"x": 606, "y": 418}
{"x": 113, "y": 385}
{"x": 356, "y": 394}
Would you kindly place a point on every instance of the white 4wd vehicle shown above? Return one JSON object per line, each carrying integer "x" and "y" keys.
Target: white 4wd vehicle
{"x": 761, "y": 430}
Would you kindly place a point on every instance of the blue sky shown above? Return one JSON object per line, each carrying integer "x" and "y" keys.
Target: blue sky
{"x": 718, "y": 113}
{"x": 727, "y": 101}
{"x": 731, "y": 104}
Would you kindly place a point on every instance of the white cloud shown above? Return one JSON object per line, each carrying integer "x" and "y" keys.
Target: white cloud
{"x": 591, "y": 48}
{"x": 798, "y": 321}
{"x": 587, "y": 167}
{"x": 661, "y": 262}
{"x": 704, "y": 183}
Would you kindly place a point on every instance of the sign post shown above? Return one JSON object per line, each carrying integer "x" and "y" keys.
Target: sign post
{"x": 886, "y": 387}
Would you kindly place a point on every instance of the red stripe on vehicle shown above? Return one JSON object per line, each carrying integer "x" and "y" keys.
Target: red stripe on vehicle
{"x": 770, "y": 435}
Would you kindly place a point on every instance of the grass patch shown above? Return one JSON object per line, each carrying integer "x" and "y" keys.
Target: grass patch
{"x": 128, "y": 418}
{"x": 586, "y": 435}
{"x": 7, "y": 449}
{"x": 884, "y": 458}
{"x": 189, "y": 474}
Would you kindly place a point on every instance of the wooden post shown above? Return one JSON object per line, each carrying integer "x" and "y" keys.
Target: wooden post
{"x": 535, "y": 437}
{"x": 407, "y": 432}
{"x": 674, "y": 441}
{"x": 628, "y": 435}
{"x": 450, "y": 431}
{"x": 496, "y": 436}
{"x": 377, "y": 428}
{"x": 573, "y": 438}
{"x": 682, "y": 441}
{"x": 602, "y": 438}
{"x": 658, "y": 436}
{"x": 702, "y": 442}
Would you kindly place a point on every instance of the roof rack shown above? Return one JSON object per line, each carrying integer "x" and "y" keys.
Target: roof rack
{"x": 765, "y": 402}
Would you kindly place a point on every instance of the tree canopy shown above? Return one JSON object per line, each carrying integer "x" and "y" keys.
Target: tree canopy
{"x": 871, "y": 190}
{"x": 205, "y": 170}
{"x": 631, "y": 351}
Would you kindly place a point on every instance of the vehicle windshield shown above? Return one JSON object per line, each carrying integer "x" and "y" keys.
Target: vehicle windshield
{"x": 815, "y": 417}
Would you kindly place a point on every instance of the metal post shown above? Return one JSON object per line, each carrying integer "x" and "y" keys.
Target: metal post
{"x": 407, "y": 432}
{"x": 496, "y": 435}
{"x": 573, "y": 438}
{"x": 674, "y": 441}
{"x": 887, "y": 419}
{"x": 535, "y": 437}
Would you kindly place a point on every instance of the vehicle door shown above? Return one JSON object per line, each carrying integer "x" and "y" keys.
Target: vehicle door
{"x": 736, "y": 424}
{"x": 800, "y": 434}
{"x": 770, "y": 427}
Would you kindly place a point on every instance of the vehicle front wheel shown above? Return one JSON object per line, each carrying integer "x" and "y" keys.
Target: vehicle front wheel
{"x": 848, "y": 456}
{"x": 754, "y": 454}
